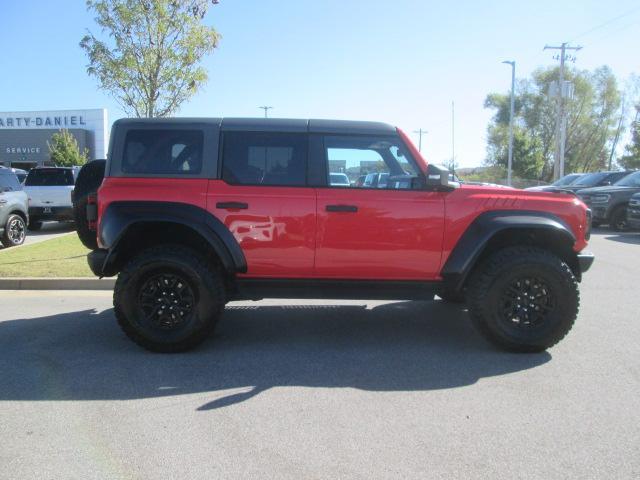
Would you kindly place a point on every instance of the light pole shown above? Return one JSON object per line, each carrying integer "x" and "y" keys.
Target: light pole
{"x": 265, "y": 108}
{"x": 420, "y": 132}
{"x": 513, "y": 94}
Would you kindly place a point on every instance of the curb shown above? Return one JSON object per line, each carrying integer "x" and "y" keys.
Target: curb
{"x": 18, "y": 283}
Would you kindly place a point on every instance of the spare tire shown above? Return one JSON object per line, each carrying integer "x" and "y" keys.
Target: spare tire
{"x": 88, "y": 181}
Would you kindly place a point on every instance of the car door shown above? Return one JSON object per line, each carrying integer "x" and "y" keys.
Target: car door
{"x": 264, "y": 200}
{"x": 389, "y": 229}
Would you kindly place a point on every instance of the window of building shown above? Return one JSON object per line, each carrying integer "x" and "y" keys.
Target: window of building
{"x": 253, "y": 158}
{"x": 165, "y": 152}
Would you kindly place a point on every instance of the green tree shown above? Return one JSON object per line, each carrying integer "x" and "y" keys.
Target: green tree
{"x": 149, "y": 60}
{"x": 591, "y": 123}
{"x": 64, "y": 150}
{"x": 631, "y": 159}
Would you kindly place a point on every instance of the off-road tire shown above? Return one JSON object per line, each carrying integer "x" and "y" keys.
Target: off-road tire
{"x": 449, "y": 296}
{"x": 88, "y": 181}
{"x": 34, "y": 226}
{"x": 203, "y": 280}
{"x": 618, "y": 221}
{"x": 8, "y": 238}
{"x": 491, "y": 289}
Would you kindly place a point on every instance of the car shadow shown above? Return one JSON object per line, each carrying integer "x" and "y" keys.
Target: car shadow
{"x": 403, "y": 346}
{"x": 626, "y": 237}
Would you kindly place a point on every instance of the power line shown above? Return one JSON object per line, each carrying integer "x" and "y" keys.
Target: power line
{"x": 604, "y": 24}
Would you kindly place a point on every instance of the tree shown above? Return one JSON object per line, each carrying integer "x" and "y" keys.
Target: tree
{"x": 150, "y": 60}
{"x": 64, "y": 150}
{"x": 631, "y": 159}
{"x": 591, "y": 123}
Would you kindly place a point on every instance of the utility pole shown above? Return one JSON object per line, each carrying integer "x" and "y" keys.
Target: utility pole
{"x": 420, "y": 132}
{"x": 513, "y": 94}
{"x": 265, "y": 110}
{"x": 453, "y": 138}
{"x": 561, "y": 126}
{"x": 615, "y": 141}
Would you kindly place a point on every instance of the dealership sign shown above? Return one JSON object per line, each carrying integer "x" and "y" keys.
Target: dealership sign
{"x": 58, "y": 121}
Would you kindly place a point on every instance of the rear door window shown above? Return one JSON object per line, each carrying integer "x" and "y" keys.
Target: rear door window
{"x": 49, "y": 177}
{"x": 254, "y": 158}
{"x": 165, "y": 152}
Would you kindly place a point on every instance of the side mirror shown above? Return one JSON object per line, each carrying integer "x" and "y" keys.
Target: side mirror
{"x": 437, "y": 176}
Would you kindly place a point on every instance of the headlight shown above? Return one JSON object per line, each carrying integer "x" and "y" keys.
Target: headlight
{"x": 602, "y": 198}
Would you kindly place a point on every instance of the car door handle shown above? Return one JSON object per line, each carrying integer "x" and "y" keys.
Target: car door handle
{"x": 232, "y": 205}
{"x": 342, "y": 208}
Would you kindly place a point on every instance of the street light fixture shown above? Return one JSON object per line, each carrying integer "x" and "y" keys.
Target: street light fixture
{"x": 513, "y": 84}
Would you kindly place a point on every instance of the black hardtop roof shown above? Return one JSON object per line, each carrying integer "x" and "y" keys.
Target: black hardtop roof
{"x": 270, "y": 124}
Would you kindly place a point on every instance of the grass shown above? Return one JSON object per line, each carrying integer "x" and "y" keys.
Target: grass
{"x": 63, "y": 256}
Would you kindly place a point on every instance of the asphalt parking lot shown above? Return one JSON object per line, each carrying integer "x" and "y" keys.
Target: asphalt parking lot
{"x": 324, "y": 390}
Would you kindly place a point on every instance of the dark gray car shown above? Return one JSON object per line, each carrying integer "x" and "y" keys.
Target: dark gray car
{"x": 633, "y": 212}
{"x": 609, "y": 204}
{"x": 13, "y": 209}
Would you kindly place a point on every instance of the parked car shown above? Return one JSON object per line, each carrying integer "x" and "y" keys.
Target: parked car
{"x": 194, "y": 213}
{"x": 633, "y": 212}
{"x": 49, "y": 190}
{"x": 14, "y": 209}
{"x": 21, "y": 174}
{"x": 609, "y": 204}
{"x": 560, "y": 183}
{"x": 339, "y": 180}
{"x": 597, "y": 179}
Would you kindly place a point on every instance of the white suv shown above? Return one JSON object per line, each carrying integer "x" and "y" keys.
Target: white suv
{"x": 49, "y": 190}
{"x": 13, "y": 209}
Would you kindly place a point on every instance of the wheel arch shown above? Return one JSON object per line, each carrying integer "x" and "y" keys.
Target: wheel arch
{"x": 492, "y": 231}
{"x": 127, "y": 228}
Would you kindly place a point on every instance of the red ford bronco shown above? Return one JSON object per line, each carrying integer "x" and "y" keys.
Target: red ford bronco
{"x": 193, "y": 213}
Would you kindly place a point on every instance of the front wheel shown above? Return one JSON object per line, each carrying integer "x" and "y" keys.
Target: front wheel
{"x": 618, "y": 220}
{"x": 14, "y": 232}
{"x": 167, "y": 299}
{"x": 523, "y": 299}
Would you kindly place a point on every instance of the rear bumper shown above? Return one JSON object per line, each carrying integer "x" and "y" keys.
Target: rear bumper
{"x": 585, "y": 260}
{"x": 39, "y": 214}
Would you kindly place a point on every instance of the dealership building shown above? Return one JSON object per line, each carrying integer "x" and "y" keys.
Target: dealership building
{"x": 24, "y": 136}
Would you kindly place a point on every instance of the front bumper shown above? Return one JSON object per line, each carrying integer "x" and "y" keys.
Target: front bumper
{"x": 585, "y": 260}
{"x": 633, "y": 216}
{"x": 40, "y": 214}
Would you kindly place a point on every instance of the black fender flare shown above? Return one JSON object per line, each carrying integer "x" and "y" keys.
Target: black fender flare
{"x": 119, "y": 217}
{"x": 478, "y": 234}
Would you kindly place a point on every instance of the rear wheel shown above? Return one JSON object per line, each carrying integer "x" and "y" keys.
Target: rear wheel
{"x": 15, "y": 232}
{"x": 167, "y": 299}
{"x": 523, "y": 299}
{"x": 34, "y": 226}
{"x": 618, "y": 220}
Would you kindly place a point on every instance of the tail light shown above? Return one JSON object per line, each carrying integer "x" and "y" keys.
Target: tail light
{"x": 92, "y": 211}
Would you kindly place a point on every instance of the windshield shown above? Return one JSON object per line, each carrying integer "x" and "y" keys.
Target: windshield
{"x": 567, "y": 180}
{"x": 632, "y": 180}
{"x": 49, "y": 178}
{"x": 591, "y": 179}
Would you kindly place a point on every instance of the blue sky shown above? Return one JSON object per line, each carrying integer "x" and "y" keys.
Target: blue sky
{"x": 401, "y": 61}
